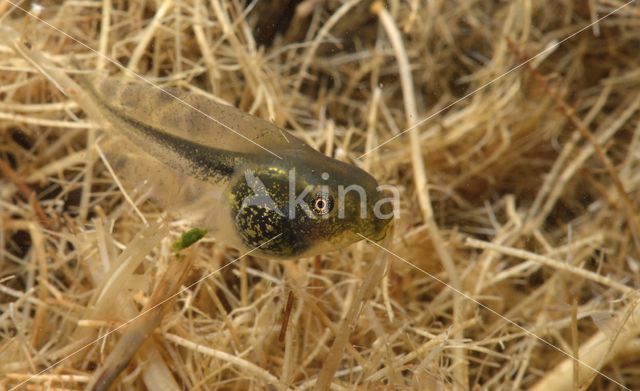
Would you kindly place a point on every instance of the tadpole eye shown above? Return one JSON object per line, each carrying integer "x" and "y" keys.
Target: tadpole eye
{"x": 322, "y": 204}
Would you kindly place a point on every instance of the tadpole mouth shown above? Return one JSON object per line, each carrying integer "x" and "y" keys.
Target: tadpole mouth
{"x": 383, "y": 228}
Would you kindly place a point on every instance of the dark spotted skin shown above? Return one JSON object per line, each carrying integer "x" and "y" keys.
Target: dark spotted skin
{"x": 257, "y": 224}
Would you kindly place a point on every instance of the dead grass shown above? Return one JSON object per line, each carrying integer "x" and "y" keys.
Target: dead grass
{"x": 522, "y": 197}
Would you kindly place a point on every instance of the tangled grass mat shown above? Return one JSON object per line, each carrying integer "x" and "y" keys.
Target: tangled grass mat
{"x": 510, "y": 128}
